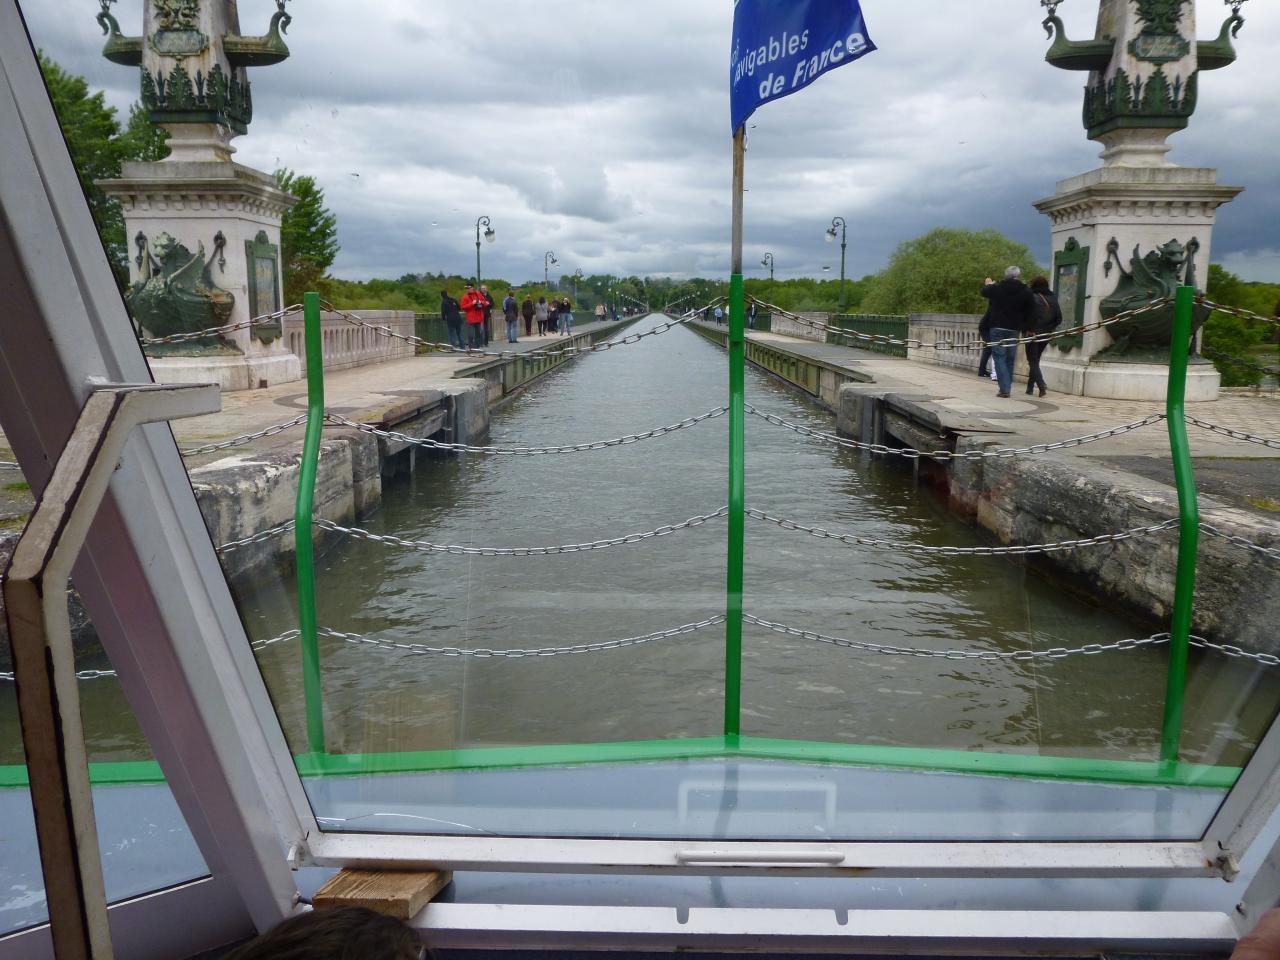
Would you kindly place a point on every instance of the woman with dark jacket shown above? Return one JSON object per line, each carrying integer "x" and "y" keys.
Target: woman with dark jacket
{"x": 1047, "y": 317}
{"x": 526, "y": 311}
{"x": 452, "y": 320}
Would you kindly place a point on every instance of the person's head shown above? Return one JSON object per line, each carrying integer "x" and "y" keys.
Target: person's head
{"x": 1013, "y": 273}
{"x": 340, "y": 933}
{"x": 484, "y": 288}
{"x": 470, "y": 286}
{"x": 1040, "y": 284}
{"x": 542, "y": 299}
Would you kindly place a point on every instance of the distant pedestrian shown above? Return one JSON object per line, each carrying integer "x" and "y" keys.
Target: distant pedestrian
{"x": 719, "y": 315}
{"x": 553, "y": 316}
{"x": 600, "y": 313}
{"x": 1012, "y": 313}
{"x": 473, "y": 304}
{"x": 452, "y": 320}
{"x": 526, "y": 311}
{"x": 566, "y": 317}
{"x": 542, "y": 314}
{"x": 511, "y": 314}
{"x": 1047, "y": 317}
{"x": 985, "y": 368}
{"x": 488, "y": 314}
{"x": 751, "y": 315}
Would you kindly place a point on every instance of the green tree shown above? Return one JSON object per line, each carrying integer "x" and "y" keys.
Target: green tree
{"x": 942, "y": 272}
{"x": 98, "y": 148}
{"x": 308, "y": 236}
{"x": 1229, "y": 336}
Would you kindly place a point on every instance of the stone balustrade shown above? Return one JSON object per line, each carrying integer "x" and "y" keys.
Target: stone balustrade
{"x": 346, "y": 345}
{"x": 958, "y": 328}
{"x": 793, "y": 328}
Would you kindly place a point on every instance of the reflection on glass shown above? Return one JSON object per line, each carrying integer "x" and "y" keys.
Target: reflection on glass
{"x": 143, "y": 839}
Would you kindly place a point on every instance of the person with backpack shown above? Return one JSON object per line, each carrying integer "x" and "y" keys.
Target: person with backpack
{"x": 511, "y": 314}
{"x": 452, "y": 317}
{"x": 1047, "y": 318}
{"x": 1011, "y": 315}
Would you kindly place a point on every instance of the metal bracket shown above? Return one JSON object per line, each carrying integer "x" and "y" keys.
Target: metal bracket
{"x": 34, "y": 588}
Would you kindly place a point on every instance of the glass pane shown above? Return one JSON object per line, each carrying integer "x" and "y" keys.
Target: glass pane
{"x": 472, "y": 667}
{"x": 142, "y": 836}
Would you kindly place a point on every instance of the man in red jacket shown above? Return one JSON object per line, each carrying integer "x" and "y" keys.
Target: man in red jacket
{"x": 473, "y": 304}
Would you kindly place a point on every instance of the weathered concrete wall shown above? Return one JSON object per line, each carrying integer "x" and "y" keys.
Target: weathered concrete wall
{"x": 1044, "y": 499}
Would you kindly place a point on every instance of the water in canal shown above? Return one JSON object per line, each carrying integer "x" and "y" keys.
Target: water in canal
{"x": 379, "y": 700}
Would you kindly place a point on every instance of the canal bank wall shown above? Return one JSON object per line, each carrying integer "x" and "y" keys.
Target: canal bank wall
{"x": 1052, "y": 498}
{"x": 247, "y": 494}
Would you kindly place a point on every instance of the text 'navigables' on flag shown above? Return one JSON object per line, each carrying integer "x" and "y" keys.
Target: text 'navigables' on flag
{"x": 781, "y": 46}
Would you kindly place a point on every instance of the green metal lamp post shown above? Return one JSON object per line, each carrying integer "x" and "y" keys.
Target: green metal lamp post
{"x": 768, "y": 262}
{"x": 488, "y": 235}
{"x": 547, "y": 261}
{"x": 577, "y": 275}
{"x": 831, "y": 236}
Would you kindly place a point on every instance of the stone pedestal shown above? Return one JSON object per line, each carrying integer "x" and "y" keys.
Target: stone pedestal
{"x": 231, "y": 213}
{"x": 1137, "y": 206}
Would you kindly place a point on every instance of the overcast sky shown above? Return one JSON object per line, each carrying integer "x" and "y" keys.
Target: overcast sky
{"x": 599, "y": 129}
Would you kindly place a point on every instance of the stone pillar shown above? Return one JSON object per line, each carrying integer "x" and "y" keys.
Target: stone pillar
{"x": 1144, "y": 68}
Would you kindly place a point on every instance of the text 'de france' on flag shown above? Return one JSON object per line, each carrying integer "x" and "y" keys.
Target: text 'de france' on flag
{"x": 781, "y": 46}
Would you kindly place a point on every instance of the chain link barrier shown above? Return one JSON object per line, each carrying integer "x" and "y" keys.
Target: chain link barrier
{"x": 1234, "y": 434}
{"x": 483, "y": 653}
{"x": 948, "y": 455}
{"x": 1213, "y": 531}
{"x": 257, "y": 537}
{"x": 427, "y": 547}
{"x": 1272, "y": 370}
{"x": 573, "y": 351}
{"x": 947, "y": 345}
{"x": 529, "y": 451}
{"x": 227, "y": 328}
{"x": 246, "y": 438}
{"x": 1240, "y": 312}
{"x": 1004, "y": 551}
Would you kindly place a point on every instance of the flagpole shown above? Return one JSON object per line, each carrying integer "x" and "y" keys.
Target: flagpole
{"x": 737, "y": 479}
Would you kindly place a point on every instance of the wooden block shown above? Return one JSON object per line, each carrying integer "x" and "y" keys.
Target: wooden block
{"x": 396, "y": 893}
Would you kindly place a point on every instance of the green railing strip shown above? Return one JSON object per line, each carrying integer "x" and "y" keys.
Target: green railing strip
{"x": 1189, "y": 527}
{"x": 888, "y": 325}
{"x": 925, "y": 760}
{"x": 737, "y": 509}
{"x": 308, "y": 626}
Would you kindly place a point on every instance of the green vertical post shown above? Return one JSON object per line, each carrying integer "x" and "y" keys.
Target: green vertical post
{"x": 737, "y": 510}
{"x": 1189, "y": 528}
{"x": 306, "y": 570}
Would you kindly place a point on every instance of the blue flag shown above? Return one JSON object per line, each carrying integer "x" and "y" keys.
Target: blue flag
{"x": 781, "y": 46}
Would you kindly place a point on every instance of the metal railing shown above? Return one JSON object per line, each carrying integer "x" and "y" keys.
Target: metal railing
{"x": 889, "y": 327}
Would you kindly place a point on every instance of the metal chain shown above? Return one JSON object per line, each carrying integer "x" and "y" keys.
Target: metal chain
{"x": 257, "y": 537}
{"x": 1236, "y": 311}
{"x": 384, "y": 331}
{"x": 528, "y": 451}
{"x": 481, "y": 653}
{"x": 1234, "y": 434}
{"x": 913, "y": 343}
{"x": 1053, "y": 653}
{"x": 947, "y": 455}
{"x": 921, "y": 549}
{"x": 99, "y": 674}
{"x": 246, "y": 438}
{"x": 426, "y": 547}
{"x": 227, "y": 328}
{"x": 1213, "y": 531}
{"x": 1239, "y": 653}
{"x": 1212, "y": 354}
{"x": 10, "y": 464}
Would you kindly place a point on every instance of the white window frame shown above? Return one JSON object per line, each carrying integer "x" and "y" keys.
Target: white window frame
{"x": 154, "y": 588}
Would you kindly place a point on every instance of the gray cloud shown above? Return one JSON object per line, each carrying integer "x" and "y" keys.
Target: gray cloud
{"x": 600, "y": 130}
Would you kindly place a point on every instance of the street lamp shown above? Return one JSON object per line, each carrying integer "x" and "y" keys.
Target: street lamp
{"x": 831, "y": 236}
{"x": 547, "y": 261}
{"x": 768, "y": 262}
{"x": 488, "y": 235}
{"x": 577, "y": 275}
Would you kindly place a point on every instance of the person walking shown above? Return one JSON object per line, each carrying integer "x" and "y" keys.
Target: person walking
{"x": 488, "y": 314}
{"x": 511, "y": 314}
{"x": 452, "y": 319}
{"x": 1048, "y": 314}
{"x": 985, "y": 368}
{"x": 526, "y": 311}
{"x": 473, "y": 304}
{"x": 541, "y": 314}
{"x": 1012, "y": 313}
{"x": 751, "y": 315}
{"x": 566, "y": 317}
{"x": 553, "y": 316}
{"x": 719, "y": 315}
{"x": 600, "y": 312}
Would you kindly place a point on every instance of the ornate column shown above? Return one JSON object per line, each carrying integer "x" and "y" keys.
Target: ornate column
{"x": 1133, "y": 229}
{"x": 204, "y": 230}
